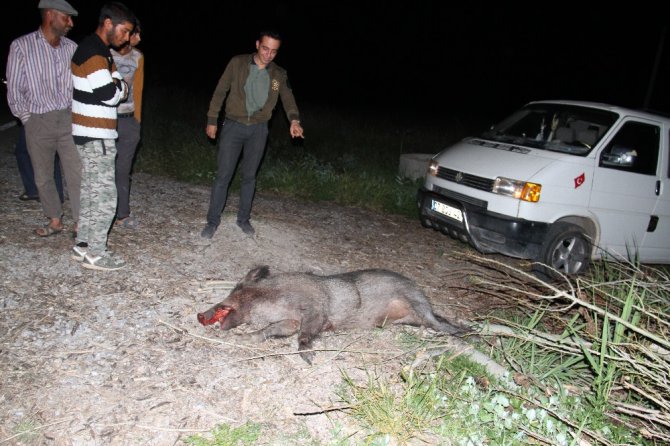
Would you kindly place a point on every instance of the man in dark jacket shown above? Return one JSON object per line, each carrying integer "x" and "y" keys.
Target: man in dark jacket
{"x": 250, "y": 85}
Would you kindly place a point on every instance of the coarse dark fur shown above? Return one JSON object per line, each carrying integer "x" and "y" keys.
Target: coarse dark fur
{"x": 284, "y": 304}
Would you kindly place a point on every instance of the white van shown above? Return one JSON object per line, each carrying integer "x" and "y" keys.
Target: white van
{"x": 559, "y": 182}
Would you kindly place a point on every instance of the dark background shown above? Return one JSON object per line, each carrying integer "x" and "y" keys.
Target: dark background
{"x": 417, "y": 56}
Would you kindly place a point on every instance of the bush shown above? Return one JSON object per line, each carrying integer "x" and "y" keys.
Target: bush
{"x": 348, "y": 157}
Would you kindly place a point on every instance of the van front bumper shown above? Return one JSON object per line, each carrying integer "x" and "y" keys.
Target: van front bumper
{"x": 486, "y": 231}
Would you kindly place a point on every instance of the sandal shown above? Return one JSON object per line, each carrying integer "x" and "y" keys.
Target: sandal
{"x": 47, "y": 230}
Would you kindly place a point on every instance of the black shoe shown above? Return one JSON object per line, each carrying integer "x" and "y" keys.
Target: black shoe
{"x": 208, "y": 231}
{"x": 25, "y": 197}
{"x": 246, "y": 227}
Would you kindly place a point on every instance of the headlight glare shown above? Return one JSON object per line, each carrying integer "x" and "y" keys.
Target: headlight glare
{"x": 433, "y": 167}
{"x": 517, "y": 189}
{"x": 531, "y": 192}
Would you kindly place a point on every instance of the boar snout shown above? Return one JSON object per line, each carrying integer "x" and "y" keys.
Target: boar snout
{"x": 214, "y": 314}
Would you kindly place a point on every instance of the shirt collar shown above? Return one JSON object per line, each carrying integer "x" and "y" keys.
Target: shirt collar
{"x": 43, "y": 38}
{"x": 252, "y": 61}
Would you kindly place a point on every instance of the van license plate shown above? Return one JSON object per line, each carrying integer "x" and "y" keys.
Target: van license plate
{"x": 447, "y": 210}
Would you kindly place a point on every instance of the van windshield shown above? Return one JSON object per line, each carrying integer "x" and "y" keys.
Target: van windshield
{"x": 556, "y": 127}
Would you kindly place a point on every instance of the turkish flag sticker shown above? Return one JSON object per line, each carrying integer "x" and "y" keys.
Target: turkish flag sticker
{"x": 579, "y": 180}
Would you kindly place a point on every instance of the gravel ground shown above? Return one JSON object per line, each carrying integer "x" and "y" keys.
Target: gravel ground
{"x": 118, "y": 358}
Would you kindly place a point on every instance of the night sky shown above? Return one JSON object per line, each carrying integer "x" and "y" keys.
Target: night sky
{"x": 420, "y": 57}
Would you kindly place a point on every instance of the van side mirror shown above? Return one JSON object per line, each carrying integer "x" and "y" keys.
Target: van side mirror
{"x": 619, "y": 157}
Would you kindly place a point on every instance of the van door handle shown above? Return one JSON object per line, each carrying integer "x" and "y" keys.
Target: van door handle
{"x": 658, "y": 187}
{"x": 653, "y": 222}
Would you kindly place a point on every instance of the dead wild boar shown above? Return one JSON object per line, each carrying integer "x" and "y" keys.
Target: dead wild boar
{"x": 284, "y": 304}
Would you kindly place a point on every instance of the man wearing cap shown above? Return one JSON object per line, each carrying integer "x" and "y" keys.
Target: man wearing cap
{"x": 39, "y": 93}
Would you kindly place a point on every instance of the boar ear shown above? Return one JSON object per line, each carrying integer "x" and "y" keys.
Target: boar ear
{"x": 258, "y": 273}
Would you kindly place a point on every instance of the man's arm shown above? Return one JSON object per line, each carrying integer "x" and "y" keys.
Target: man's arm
{"x": 109, "y": 88}
{"x": 120, "y": 84}
{"x": 220, "y": 93}
{"x": 17, "y": 83}
{"x": 291, "y": 109}
{"x": 138, "y": 87}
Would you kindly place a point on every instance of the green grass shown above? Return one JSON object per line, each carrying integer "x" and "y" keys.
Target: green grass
{"x": 28, "y": 433}
{"x": 453, "y": 405}
{"x": 347, "y": 157}
{"x": 401, "y": 411}
{"x": 542, "y": 359}
{"x": 225, "y": 435}
{"x": 604, "y": 346}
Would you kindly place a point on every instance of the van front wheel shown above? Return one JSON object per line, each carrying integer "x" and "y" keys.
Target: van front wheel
{"x": 566, "y": 251}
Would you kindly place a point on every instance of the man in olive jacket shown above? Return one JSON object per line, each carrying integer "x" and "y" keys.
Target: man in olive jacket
{"x": 250, "y": 85}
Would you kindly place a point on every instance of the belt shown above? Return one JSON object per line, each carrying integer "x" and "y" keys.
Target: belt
{"x": 125, "y": 115}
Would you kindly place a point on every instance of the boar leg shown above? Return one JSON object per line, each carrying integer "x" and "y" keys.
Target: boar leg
{"x": 281, "y": 329}
{"x": 419, "y": 314}
{"x": 312, "y": 325}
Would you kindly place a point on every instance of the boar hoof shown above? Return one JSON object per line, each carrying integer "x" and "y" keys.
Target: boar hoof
{"x": 307, "y": 356}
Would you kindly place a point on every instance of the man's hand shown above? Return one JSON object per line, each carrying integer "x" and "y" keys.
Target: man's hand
{"x": 211, "y": 131}
{"x": 124, "y": 88}
{"x": 296, "y": 129}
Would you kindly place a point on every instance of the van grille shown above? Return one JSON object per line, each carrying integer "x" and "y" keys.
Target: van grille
{"x": 465, "y": 179}
{"x": 481, "y": 204}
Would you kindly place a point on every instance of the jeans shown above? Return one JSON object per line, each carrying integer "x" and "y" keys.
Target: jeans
{"x": 249, "y": 141}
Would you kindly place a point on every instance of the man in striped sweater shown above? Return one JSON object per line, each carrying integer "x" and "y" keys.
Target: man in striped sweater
{"x": 98, "y": 89}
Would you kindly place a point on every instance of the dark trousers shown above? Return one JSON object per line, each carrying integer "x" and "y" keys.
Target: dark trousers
{"x": 237, "y": 139}
{"x": 26, "y": 168}
{"x": 129, "y": 136}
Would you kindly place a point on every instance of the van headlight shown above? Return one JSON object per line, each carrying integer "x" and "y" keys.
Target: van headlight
{"x": 521, "y": 190}
{"x": 433, "y": 168}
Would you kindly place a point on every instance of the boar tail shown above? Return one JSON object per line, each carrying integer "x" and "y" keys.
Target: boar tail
{"x": 452, "y": 328}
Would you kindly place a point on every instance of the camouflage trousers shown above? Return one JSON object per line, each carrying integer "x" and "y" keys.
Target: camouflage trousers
{"x": 98, "y": 193}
